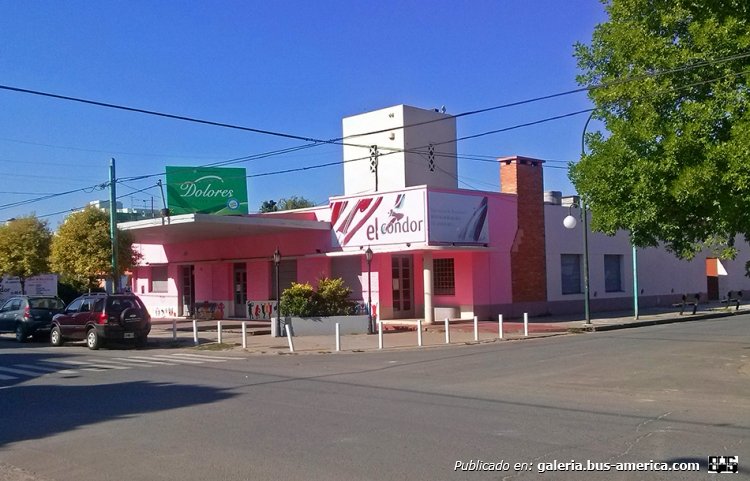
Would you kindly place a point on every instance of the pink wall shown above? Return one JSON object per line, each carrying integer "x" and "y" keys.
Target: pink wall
{"x": 312, "y": 269}
{"x": 259, "y": 280}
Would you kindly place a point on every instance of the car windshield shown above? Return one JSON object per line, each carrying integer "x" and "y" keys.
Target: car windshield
{"x": 50, "y": 303}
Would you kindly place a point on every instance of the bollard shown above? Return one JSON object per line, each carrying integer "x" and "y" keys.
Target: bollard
{"x": 218, "y": 330}
{"x": 419, "y": 332}
{"x": 338, "y": 338}
{"x": 380, "y": 334}
{"x": 195, "y": 332}
{"x": 174, "y": 329}
{"x": 526, "y": 324}
{"x": 244, "y": 334}
{"x": 289, "y": 337}
{"x": 447, "y": 331}
{"x": 500, "y": 326}
{"x": 476, "y": 328}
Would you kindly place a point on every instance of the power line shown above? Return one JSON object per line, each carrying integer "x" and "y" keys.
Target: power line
{"x": 315, "y": 142}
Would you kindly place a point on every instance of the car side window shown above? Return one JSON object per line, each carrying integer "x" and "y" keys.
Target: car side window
{"x": 85, "y": 306}
{"x": 16, "y": 306}
{"x": 98, "y": 305}
{"x": 6, "y": 306}
{"x": 73, "y": 306}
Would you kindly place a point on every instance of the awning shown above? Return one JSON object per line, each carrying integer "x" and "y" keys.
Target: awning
{"x": 193, "y": 227}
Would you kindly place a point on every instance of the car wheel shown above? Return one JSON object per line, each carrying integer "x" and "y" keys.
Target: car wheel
{"x": 55, "y": 337}
{"x": 92, "y": 340}
{"x": 21, "y": 335}
{"x": 141, "y": 341}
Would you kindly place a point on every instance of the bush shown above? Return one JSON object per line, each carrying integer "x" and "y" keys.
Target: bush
{"x": 331, "y": 299}
{"x": 299, "y": 300}
{"x": 334, "y": 297}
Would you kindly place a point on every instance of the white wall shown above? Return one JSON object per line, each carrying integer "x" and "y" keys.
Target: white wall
{"x": 398, "y": 169}
{"x": 660, "y": 273}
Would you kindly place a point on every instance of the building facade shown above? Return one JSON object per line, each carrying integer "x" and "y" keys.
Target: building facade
{"x": 438, "y": 251}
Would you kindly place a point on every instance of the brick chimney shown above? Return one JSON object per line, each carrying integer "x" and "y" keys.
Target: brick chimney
{"x": 523, "y": 176}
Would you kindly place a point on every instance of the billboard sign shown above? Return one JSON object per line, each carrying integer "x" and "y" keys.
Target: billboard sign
{"x": 458, "y": 218}
{"x": 206, "y": 190}
{"x": 382, "y": 219}
{"x": 41, "y": 285}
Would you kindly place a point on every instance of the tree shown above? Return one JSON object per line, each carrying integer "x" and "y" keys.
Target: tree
{"x": 286, "y": 203}
{"x": 82, "y": 250}
{"x": 268, "y": 206}
{"x": 24, "y": 248}
{"x": 673, "y": 165}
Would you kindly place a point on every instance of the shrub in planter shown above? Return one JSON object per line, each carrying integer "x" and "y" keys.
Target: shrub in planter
{"x": 331, "y": 299}
{"x": 299, "y": 300}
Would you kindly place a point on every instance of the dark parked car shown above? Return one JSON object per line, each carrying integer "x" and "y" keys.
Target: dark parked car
{"x": 29, "y": 315}
{"x": 100, "y": 317}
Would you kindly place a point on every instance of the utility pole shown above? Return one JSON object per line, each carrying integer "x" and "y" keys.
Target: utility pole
{"x": 113, "y": 226}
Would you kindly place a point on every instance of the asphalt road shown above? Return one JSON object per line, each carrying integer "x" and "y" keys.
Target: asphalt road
{"x": 674, "y": 393}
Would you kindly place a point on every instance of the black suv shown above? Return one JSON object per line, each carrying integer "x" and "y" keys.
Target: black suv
{"x": 29, "y": 315}
{"x": 99, "y": 317}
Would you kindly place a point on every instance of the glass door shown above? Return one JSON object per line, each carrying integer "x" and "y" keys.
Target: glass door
{"x": 240, "y": 290}
{"x": 401, "y": 277}
{"x": 187, "y": 276}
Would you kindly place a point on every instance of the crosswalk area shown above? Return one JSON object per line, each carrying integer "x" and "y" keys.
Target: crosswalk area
{"x": 66, "y": 367}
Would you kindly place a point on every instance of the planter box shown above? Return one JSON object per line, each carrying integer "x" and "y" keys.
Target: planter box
{"x": 324, "y": 326}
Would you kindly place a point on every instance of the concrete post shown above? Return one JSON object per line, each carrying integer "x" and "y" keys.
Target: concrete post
{"x": 429, "y": 313}
{"x": 447, "y": 331}
{"x": 218, "y": 332}
{"x": 476, "y": 328}
{"x": 526, "y": 324}
{"x": 289, "y": 337}
{"x": 419, "y": 332}
{"x": 195, "y": 332}
{"x": 380, "y": 334}
{"x": 500, "y": 326}
{"x": 338, "y": 338}
{"x": 244, "y": 334}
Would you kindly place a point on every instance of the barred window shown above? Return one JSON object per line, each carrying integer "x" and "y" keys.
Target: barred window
{"x": 159, "y": 279}
{"x": 570, "y": 269}
{"x": 444, "y": 277}
{"x": 613, "y": 273}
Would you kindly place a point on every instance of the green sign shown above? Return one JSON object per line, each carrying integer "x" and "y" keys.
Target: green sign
{"x": 206, "y": 190}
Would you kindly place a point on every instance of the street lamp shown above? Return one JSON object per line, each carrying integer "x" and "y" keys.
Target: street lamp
{"x": 276, "y": 262}
{"x": 368, "y": 257}
{"x": 570, "y": 223}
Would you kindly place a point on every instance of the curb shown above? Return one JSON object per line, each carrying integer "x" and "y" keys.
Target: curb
{"x": 653, "y": 322}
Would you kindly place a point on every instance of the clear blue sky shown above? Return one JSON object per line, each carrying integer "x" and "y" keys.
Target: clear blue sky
{"x": 296, "y": 67}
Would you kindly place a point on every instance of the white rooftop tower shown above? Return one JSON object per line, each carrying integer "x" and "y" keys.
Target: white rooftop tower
{"x": 404, "y": 152}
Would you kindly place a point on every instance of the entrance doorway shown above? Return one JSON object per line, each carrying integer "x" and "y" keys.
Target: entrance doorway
{"x": 402, "y": 270}
{"x": 187, "y": 288}
{"x": 240, "y": 290}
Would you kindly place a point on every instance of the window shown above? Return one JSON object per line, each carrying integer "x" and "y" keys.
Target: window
{"x": 444, "y": 277}
{"x": 287, "y": 275}
{"x": 570, "y": 269}
{"x": 159, "y": 279}
{"x": 613, "y": 273}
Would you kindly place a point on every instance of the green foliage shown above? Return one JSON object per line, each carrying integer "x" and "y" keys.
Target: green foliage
{"x": 268, "y": 206}
{"x": 82, "y": 251}
{"x": 673, "y": 165}
{"x": 299, "y": 300}
{"x": 330, "y": 299}
{"x": 286, "y": 203}
{"x": 333, "y": 297}
{"x": 24, "y": 247}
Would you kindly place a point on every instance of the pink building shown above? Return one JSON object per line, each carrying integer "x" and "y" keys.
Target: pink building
{"x": 439, "y": 251}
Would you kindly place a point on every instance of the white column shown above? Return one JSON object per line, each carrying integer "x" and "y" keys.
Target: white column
{"x": 429, "y": 313}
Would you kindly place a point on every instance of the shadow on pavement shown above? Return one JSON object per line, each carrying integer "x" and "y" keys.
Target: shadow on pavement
{"x": 37, "y": 411}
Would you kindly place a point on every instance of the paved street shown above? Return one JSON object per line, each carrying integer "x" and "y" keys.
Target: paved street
{"x": 667, "y": 393}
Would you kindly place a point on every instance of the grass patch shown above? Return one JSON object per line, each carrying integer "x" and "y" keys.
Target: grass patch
{"x": 215, "y": 346}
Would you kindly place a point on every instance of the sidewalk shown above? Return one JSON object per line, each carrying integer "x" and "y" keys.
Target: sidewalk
{"x": 404, "y": 336}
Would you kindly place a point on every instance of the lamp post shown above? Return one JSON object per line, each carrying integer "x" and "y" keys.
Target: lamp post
{"x": 276, "y": 262}
{"x": 368, "y": 257}
{"x": 570, "y": 222}
{"x": 635, "y": 280}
